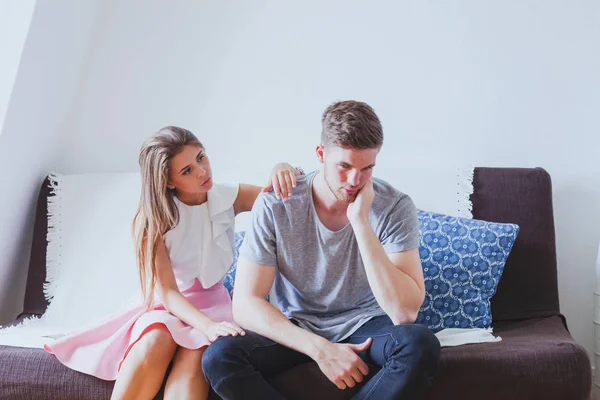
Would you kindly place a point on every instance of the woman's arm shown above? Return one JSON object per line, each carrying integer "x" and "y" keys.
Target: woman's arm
{"x": 181, "y": 307}
{"x": 244, "y": 201}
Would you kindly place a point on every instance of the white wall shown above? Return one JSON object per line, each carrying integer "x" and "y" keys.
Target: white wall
{"x": 513, "y": 83}
{"x": 36, "y": 119}
{"x": 15, "y": 17}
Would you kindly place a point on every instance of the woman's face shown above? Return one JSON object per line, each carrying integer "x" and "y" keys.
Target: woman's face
{"x": 189, "y": 171}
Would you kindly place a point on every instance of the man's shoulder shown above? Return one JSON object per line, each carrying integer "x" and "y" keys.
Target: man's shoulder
{"x": 299, "y": 193}
{"x": 386, "y": 194}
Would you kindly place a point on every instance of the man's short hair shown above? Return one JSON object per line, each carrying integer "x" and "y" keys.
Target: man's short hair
{"x": 351, "y": 124}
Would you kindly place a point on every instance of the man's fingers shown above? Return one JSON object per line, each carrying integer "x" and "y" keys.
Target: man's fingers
{"x": 363, "y": 368}
{"x": 340, "y": 384}
{"x": 361, "y": 346}
{"x": 349, "y": 381}
{"x": 357, "y": 375}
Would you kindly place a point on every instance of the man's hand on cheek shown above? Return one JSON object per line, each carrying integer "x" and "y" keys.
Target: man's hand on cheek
{"x": 358, "y": 210}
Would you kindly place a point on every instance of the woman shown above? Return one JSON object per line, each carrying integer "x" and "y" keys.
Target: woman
{"x": 183, "y": 233}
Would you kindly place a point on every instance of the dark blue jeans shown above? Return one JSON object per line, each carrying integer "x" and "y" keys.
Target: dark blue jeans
{"x": 407, "y": 357}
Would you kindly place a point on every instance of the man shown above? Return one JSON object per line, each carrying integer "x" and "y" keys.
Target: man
{"x": 343, "y": 254}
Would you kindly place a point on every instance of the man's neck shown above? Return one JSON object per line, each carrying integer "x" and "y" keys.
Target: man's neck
{"x": 324, "y": 199}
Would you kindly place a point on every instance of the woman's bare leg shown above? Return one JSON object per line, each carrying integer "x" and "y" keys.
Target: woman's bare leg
{"x": 143, "y": 370}
{"x": 186, "y": 379}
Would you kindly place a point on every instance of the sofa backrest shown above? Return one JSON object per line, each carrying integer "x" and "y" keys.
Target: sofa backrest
{"x": 35, "y": 302}
{"x": 528, "y": 287}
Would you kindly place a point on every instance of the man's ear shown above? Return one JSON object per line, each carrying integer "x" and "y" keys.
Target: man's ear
{"x": 320, "y": 153}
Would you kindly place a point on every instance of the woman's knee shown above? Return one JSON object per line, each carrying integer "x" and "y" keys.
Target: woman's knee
{"x": 156, "y": 342}
{"x": 189, "y": 360}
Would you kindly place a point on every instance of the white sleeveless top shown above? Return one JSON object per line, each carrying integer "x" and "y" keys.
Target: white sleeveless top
{"x": 201, "y": 245}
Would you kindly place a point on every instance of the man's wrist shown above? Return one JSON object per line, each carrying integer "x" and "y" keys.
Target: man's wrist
{"x": 360, "y": 222}
{"x": 315, "y": 346}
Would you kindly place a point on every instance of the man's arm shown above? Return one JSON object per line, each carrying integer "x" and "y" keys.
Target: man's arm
{"x": 396, "y": 279}
{"x": 339, "y": 362}
{"x": 252, "y": 311}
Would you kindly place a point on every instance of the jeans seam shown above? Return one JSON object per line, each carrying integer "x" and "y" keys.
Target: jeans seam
{"x": 383, "y": 375}
{"x": 384, "y": 370}
{"x": 257, "y": 346}
{"x": 371, "y": 336}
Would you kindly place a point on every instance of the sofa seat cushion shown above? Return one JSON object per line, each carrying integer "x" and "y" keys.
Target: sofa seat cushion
{"x": 29, "y": 374}
{"x": 536, "y": 359}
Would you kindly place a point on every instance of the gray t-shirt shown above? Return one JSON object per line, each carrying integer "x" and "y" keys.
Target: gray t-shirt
{"x": 321, "y": 281}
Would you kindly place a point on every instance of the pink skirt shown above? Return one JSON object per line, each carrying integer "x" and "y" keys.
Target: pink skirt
{"x": 99, "y": 351}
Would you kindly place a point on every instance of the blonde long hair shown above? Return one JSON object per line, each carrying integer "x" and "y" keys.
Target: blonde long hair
{"x": 157, "y": 213}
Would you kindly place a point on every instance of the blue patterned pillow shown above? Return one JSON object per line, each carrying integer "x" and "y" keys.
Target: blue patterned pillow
{"x": 462, "y": 260}
{"x": 229, "y": 280}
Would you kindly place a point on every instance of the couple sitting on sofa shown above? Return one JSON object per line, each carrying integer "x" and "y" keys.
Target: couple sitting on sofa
{"x": 341, "y": 250}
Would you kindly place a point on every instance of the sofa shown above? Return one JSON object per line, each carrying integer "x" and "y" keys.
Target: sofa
{"x": 536, "y": 359}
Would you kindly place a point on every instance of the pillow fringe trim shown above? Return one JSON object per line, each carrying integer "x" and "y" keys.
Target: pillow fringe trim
{"x": 54, "y": 235}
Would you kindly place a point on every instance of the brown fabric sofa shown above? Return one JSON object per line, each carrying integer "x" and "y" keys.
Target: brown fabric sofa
{"x": 537, "y": 358}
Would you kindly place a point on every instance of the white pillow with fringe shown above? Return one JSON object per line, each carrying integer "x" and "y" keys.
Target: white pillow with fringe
{"x": 91, "y": 267}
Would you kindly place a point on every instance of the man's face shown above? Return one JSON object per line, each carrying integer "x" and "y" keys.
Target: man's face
{"x": 346, "y": 171}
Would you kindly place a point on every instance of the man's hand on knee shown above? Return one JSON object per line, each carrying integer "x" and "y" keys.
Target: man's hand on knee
{"x": 341, "y": 365}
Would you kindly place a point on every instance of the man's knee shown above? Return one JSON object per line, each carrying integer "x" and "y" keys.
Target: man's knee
{"x": 230, "y": 354}
{"x": 419, "y": 343}
{"x": 219, "y": 354}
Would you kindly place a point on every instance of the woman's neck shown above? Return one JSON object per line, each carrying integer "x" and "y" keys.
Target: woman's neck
{"x": 192, "y": 199}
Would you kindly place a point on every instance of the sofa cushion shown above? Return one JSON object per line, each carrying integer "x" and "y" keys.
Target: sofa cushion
{"x": 537, "y": 359}
{"x": 462, "y": 260}
{"x": 27, "y": 374}
{"x": 229, "y": 280}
